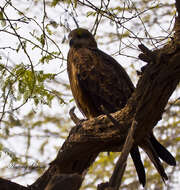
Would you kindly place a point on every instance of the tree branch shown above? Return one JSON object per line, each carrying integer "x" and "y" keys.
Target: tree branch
{"x": 117, "y": 175}
{"x": 8, "y": 185}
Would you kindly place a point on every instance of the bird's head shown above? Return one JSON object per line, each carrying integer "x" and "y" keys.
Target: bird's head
{"x": 81, "y": 38}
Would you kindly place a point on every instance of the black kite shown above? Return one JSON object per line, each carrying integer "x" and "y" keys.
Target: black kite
{"x": 97, "y": 79}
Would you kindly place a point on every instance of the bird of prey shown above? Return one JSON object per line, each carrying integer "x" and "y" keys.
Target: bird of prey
{"x": 97, "y": 80}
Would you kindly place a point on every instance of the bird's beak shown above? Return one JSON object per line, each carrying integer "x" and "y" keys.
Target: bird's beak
{"x": 70, "y": 40}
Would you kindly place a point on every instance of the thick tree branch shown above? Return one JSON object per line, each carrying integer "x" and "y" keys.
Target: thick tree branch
{"x": 65, "y": 181}
{"x": 7, "y": 185}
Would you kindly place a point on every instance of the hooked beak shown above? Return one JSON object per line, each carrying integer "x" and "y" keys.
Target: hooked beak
{"x": 70, "y": 40}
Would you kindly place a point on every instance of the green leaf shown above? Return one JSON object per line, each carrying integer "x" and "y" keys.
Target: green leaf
{"x": 91, "y": 13}
{"x": 54, "y": 3}
{"x": 42, "y": 40}
{"x": 3, "y": 21}
{"x": 46, "y": 58}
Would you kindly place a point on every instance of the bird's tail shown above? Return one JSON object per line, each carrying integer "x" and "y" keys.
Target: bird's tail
{"x": 162, "y": 152}
{"x": 154, "y": 151}
{"x": 153, "y": 156}
{"x": 136, "y": 157}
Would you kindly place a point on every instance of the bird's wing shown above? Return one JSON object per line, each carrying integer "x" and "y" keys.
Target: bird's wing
{"x": 103, "y": 79}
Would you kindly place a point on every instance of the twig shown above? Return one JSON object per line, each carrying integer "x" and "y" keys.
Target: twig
{"x": 116, "y": 178}
{"x": 74, "y": 118}
{"x": 146, "y": 55}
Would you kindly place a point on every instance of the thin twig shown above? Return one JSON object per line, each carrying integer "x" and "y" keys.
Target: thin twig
{"x": 116, "y": 178}
{"x": 73, "y": 116}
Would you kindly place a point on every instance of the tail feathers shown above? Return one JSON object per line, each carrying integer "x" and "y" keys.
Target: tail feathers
{"x": 136, "y": 157}
{"x": 162, "y": 152}
{"x": 153, "y": 155}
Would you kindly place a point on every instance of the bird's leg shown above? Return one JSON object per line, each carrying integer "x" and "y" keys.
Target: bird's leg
{"x": 74, "y": 118}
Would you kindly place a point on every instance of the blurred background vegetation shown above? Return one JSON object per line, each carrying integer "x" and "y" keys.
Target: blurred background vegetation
{"x": 34, "y": 90}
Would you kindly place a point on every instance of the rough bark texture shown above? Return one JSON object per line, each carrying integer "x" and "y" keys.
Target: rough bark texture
{"x": 7, "y": 185}
{"x": 156, "y": 84}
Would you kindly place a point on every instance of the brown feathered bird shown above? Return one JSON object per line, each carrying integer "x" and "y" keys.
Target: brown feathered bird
{"x": 96, "y": 80}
